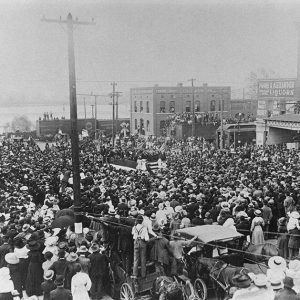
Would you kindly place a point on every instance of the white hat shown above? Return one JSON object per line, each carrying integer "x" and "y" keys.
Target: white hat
{"x": 295, "y": 215}
{"x": 260, "y": 280}
{"x": 276, "y": 283}
{"x": 224, "y": 204}
{"x": 51, "y": 241}
{"x": 277, "y": 263}
{"x": 294, "y": 265}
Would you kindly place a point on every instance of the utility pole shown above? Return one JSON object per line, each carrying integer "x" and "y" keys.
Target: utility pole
{"x": 92, "y": 105}
{"x": 222, "y": 125}
{"x": 73, "y": 115}
{"x": 118, "y": 94}
{"x": 113, "y": 112}
{"x": 84, "y": 108}
{"x": 193, "y": 107}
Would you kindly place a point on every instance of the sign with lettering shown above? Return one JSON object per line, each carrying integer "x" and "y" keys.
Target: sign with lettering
{"x": 276, "y": 88}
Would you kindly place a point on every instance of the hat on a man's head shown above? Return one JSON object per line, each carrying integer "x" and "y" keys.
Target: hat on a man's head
{"x": 241, "y": 281}
{"x": 83, "y": 249}
{"x": 288, "y": 282}
{"x": 59, "y": 281}
{"x": 72, "y": 257}
{"x": 260, "y": 280}
{"x": 95, "y": 247}
{"x": 277, "y": 263}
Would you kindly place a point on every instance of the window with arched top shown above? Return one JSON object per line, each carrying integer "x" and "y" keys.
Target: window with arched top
{"x": 197, "y": 106}
{"x": 188, "y": 106}
{"x": 148, "y": 126}
{"x": 212, "y": 105}
{"x": 162, "y": 106}
{"x": 147, "y": 107}
{"x": 135, "y": 124}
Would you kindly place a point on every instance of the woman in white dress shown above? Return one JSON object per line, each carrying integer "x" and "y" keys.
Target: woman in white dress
{"x": 257, "y": 236}
{"x": 80, "y": 285}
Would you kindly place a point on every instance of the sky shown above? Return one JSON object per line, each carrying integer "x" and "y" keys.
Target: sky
{"x": 141, "y": 43}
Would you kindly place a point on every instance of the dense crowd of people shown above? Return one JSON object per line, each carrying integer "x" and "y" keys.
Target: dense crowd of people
{"x": 254, "y": 191}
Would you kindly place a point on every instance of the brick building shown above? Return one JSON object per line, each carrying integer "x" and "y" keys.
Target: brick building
{"x": 151, "y": 106}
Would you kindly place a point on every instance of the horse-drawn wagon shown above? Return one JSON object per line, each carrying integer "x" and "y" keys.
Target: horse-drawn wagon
{"x": 212, "y": 262}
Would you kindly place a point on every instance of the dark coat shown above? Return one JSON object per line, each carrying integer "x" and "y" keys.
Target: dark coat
{"x": 4, "y": 249}
{"x": 70, "y": 272}
{"x": 243, "y": 227}
{"x": 85, "y": 264}
{"x": 99, "y": 265}
{"x": 61, "y": 293}
{"x": 47, "y": 287}
{"x": 160, "y": 250}
{"x": 15, "y": 274}
{"x": 286, "y": 294}
{"x": 59, "y": 267}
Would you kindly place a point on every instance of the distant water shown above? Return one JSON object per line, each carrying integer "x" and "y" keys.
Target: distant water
{"x": 33, "y": 112}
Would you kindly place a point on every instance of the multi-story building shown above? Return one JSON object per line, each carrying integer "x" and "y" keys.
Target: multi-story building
{"x": 276, "y": 97}
{"x": 151, "y": 106}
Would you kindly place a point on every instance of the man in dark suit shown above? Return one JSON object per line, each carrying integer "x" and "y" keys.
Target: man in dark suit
{"x": 4, "y": 249}
{"x": 60, "y": 293}
{"x": 59, "y": 267}
{"x": 98, "y": 272}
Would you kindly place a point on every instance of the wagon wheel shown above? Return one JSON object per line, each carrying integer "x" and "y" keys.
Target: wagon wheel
{"x": 126, "y": 292}
{"x": 201, "y": 288}
{"x": 190, "y": 292}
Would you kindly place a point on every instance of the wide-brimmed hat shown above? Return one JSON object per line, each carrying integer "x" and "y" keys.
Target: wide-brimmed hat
{"x": 277, "y": 263}
{"x": 72, "y": 257}
{"x": 257, "y": 212}
{"x": 241, "y": 281}
{"x": 224, "y": 204}
{"x": 294, "y": 215}
{"x": 260, "y": 280}
{"x": 156, "y": 227}
{"x": 276, "y": 283}
{"x": 294, "y": 265}
{"x": 33, "y": 245}
{"x": 83, "y": 249}
{"x": 11, "y": 258}
{"x": 25, "y": 227}
{"x": 95, "y": 247}
{"x": 48, "y": 274}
